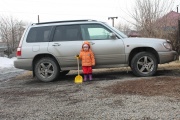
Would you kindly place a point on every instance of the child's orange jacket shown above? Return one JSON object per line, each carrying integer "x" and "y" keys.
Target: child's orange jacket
{"x": 87, "y": 57}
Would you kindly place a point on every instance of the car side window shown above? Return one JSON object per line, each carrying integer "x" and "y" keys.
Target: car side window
{"x": 39, "y": 34}
{"x": 67, "y": 33}
{"x": 95, "y": 32}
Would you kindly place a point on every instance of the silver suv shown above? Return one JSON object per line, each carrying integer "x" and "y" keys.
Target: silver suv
{"x": 49, "y": 49}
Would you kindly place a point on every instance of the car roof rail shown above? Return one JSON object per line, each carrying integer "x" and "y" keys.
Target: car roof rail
{"x": 62, "y": 21}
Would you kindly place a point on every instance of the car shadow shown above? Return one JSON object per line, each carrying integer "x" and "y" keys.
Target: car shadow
{"x": 103, "y": 76}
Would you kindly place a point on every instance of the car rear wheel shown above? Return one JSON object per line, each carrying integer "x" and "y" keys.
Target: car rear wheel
{"x": 144, "y": 64}
{"x": 46, "y": 69}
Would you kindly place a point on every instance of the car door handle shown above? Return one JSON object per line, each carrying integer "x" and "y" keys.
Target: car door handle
{"x": 56, "y": 44}
{"x": 91, "y": 43}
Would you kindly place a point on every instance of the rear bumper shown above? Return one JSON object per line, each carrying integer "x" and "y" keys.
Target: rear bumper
{"x": 25, "y": 64}
{"x": 165, "y": 57}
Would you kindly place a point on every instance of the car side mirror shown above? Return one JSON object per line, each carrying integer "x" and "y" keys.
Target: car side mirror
{"x": 112, "y": 36}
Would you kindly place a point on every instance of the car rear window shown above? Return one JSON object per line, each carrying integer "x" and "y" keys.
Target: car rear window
{"x": 39, "y": 34}
{"x": 67, "y": 33}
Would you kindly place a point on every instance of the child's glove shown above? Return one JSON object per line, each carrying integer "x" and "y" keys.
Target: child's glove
{"x": 77, "y": 56}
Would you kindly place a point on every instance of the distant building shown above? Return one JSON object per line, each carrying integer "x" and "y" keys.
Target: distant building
{"x": 134, "y": 33}
{"x": 168, "y": 22}
{"x": 3, "y": 47}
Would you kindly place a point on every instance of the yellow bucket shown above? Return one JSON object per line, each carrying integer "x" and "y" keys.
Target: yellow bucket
{"x": 78, "y": 79}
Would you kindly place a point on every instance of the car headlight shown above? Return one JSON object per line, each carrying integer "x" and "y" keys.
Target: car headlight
{"x": 167, "y": 45}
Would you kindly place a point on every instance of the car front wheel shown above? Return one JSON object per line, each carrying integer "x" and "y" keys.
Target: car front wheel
{"x": 144, "y": 64}
{"x": 46, "y": 69}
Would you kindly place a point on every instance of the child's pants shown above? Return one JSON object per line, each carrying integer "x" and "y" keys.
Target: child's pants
{"x": 87, "y": 69}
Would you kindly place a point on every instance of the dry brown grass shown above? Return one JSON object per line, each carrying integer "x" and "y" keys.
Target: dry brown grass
{"x": 157, "y": 86}
{"x": 170, "y": 66}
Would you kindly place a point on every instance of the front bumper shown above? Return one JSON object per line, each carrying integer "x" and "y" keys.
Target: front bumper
{"x": 165, "y": 57}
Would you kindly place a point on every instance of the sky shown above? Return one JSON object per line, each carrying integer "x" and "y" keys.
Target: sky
{"x": 57, "y": 10}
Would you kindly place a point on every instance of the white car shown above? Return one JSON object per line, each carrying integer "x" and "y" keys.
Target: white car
{"x": 49, "y": 49}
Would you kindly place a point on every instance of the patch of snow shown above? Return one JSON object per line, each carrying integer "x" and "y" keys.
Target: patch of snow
{"x": 7, "y": 62}
{"x": 7, "y": 69}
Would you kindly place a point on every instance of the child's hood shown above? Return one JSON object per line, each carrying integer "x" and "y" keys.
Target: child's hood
{"x": 86, "y": 42}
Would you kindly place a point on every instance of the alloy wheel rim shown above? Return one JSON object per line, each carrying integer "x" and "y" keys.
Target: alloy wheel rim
{"x": 46, "y": 70}
{"x": 145, "y": 65}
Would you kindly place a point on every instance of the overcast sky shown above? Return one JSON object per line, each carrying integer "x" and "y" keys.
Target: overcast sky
{"x": 56, "y": 10}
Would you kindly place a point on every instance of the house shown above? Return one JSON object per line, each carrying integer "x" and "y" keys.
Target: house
{"x": 168, "y": 22}
{"x": 134, "y": 33}
{"x": 3, "y": 47}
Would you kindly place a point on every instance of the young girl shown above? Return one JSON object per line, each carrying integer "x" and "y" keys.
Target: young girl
{"x": 87, "y": 57}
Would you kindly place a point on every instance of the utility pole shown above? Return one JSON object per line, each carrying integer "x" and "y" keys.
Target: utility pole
{"x": 38, "y": 18}
{"x": 177, "y": 8}
{"x": 178, "y": 37}
{"x": 112, "y": 18}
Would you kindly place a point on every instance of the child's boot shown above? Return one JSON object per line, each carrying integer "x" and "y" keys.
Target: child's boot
{"x": 85, "y": 77}
{"x": 90, "y": 76}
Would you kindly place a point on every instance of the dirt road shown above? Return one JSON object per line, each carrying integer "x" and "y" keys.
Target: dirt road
{"x": 113, "y": 94}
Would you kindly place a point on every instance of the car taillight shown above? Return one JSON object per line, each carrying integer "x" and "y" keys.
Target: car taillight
{"x": 18, "y": 52}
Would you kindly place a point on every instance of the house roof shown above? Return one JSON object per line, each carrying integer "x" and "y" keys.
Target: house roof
{"x": 3, "y": 45}
{"x": 2, "y": 49}
{"x": 170, "y": 19}
{"x": 133, "y": 33}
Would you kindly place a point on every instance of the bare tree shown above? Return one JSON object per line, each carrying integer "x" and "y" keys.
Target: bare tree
{"x": 11, "y": 31}
{"x": 152, "y": 20}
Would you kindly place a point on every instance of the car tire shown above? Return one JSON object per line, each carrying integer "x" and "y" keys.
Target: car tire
{"x": 144, "y": 64}
{"x": 46, "y": 69}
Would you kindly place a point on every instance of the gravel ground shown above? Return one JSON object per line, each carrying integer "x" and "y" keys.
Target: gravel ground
{"x": 25, "y": 98}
